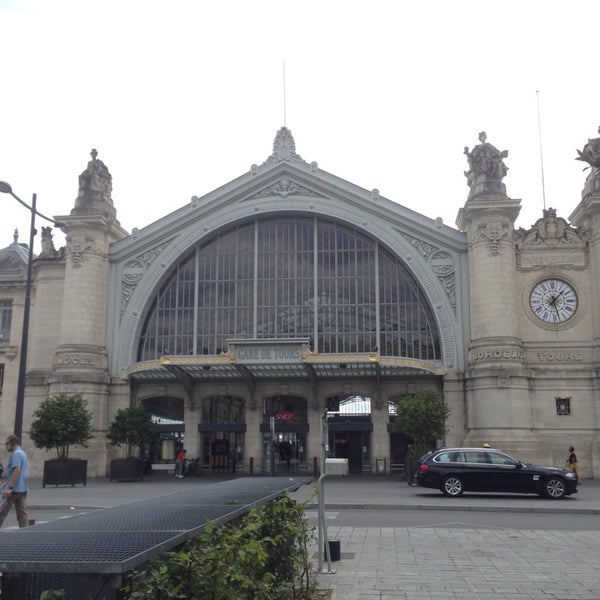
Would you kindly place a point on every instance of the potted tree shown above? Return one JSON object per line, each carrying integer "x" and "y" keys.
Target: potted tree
{"x": 131, "y": 429}
{"x": 421, "y": 417}
{"x": 62, "y": 421}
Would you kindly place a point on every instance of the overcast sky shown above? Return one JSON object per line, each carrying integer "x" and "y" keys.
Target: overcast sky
{"x": 181, "y": 97}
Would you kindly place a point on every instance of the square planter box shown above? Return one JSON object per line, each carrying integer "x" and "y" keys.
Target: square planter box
{"x": 65, "y": 472}
{"x": 126, "y": 469}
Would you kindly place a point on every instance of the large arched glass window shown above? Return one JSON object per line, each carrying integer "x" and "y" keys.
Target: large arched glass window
{"x": 291, "y": 277}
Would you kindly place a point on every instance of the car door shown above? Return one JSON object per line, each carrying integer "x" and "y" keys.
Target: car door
{"x": 476, "y": 472}
{"x": 506, "y": 474}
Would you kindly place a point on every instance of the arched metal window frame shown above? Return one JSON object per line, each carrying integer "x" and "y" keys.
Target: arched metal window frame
{"x": 183, "y": 332}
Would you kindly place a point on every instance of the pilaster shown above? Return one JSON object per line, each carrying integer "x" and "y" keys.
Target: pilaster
{"x": 496, "y": 381}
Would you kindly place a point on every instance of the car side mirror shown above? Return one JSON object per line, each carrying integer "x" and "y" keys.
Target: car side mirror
{"x": 519, "y": 465}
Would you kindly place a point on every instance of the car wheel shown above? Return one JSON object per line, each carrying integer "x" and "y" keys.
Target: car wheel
{"x": 554, "y": 487}
{"x": 452, "y": 486}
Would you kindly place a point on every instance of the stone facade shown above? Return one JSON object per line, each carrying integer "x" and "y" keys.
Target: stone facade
{"x": 515, "y": 377}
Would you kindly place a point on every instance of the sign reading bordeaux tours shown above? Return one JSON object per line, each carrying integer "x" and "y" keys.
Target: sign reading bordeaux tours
{"x": 268, "y": 354}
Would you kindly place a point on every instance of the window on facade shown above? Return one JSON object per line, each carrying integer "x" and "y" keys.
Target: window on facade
{"x": 563, "y": 407}
{"x": 291, "y": 278}
{"x": 5, "y": 320}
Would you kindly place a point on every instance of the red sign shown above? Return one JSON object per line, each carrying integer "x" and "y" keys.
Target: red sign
{"x": 284, "y": 416}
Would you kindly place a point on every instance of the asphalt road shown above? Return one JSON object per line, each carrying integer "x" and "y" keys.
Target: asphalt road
{"x": 406, "y": 517}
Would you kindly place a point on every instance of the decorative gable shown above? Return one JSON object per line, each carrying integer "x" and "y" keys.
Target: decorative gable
{"x": 551, "y": 242}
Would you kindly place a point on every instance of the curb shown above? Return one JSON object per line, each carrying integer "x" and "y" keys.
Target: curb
{"x": 456, "y": 508}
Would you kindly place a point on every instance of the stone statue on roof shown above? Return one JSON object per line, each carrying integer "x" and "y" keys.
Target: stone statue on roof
{"x": 591, "y": 155}
{"x": 95, "y": 190}
{"x": 486, "y": 168}
{"x": 591, "y": 152}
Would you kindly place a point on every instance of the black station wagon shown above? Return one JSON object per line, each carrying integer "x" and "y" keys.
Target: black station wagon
{"x": 457, "y": 470}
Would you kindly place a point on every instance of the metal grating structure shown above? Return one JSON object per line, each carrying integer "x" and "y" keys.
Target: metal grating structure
{"x": 113, "y": 541}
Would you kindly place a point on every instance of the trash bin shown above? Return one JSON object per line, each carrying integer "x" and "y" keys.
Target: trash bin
{"x": 380, "y": 465}
{"x": 334, "y": 550}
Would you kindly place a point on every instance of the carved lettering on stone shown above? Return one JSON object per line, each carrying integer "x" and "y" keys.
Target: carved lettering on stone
{"x": 75, "y": 360}
{"x": 559, "y": 356}
{"x": 497, "y": 354}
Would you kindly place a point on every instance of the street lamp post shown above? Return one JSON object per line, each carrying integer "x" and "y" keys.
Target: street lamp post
{"x": 7, "y": 189}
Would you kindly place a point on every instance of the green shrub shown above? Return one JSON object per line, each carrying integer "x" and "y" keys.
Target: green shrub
{"x": 264, "y": 556}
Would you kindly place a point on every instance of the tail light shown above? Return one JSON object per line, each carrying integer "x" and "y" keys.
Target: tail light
{"x": 423, "y": 468}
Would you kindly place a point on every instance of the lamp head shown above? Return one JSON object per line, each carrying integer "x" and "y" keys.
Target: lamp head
{"x": 5, "y": 188}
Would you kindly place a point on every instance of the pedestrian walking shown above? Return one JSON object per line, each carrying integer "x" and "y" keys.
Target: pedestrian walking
{"x": 410, "y": 465}
{"x": 572, "y": 463}
{"x": 14, "y": 490}
{"x": 180, "y": 463}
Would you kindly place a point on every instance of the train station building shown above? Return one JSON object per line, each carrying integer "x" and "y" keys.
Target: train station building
{"x": 290, "y": 296}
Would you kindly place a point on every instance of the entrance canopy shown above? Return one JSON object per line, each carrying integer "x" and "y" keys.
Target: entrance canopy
{"x": 251, "y": 360}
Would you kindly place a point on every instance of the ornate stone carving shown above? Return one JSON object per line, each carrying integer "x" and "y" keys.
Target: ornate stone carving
{"x": 126, "y": 291}
{"x": 551, "y": 241}
{"x": 440, "y": 262}
{"x": 79, "y": 245}
{"x": 284, "y": 188}
{"x": 495, "y": 231}
{"x": 48, "y": 249}
{"x": 284, "y": 147}
{"x": 591, "y": 155}
{"x": 503, "y": 381}
{"x": 134, "y": 271}
{"x": 486, "y": 168}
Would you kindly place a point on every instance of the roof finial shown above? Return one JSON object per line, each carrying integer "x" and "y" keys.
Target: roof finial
{"x": 284, "y": 106}
{"x": 94, "y": 153}
{"x": 16, "y": 236}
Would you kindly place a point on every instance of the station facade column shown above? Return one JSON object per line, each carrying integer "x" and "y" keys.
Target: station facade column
{"x": 80, "y": 362}
{"x": 497, "y": 391}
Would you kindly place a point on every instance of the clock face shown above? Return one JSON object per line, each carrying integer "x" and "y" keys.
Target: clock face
{"x": 553, "y": 301}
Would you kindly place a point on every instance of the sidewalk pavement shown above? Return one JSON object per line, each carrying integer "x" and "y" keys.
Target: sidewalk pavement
{"x": 390, "y": 563}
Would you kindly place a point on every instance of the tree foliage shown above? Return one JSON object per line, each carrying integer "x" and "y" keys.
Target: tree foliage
{"x": 132, "y": 428}
{"x": 62, "y": 421}
{"x": 422, "y": 417}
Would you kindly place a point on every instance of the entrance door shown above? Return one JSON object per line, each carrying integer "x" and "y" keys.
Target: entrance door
{"x": 353, "y": 445}
{"x": 288, "y": 452}
{"x": 222, "y": 451}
